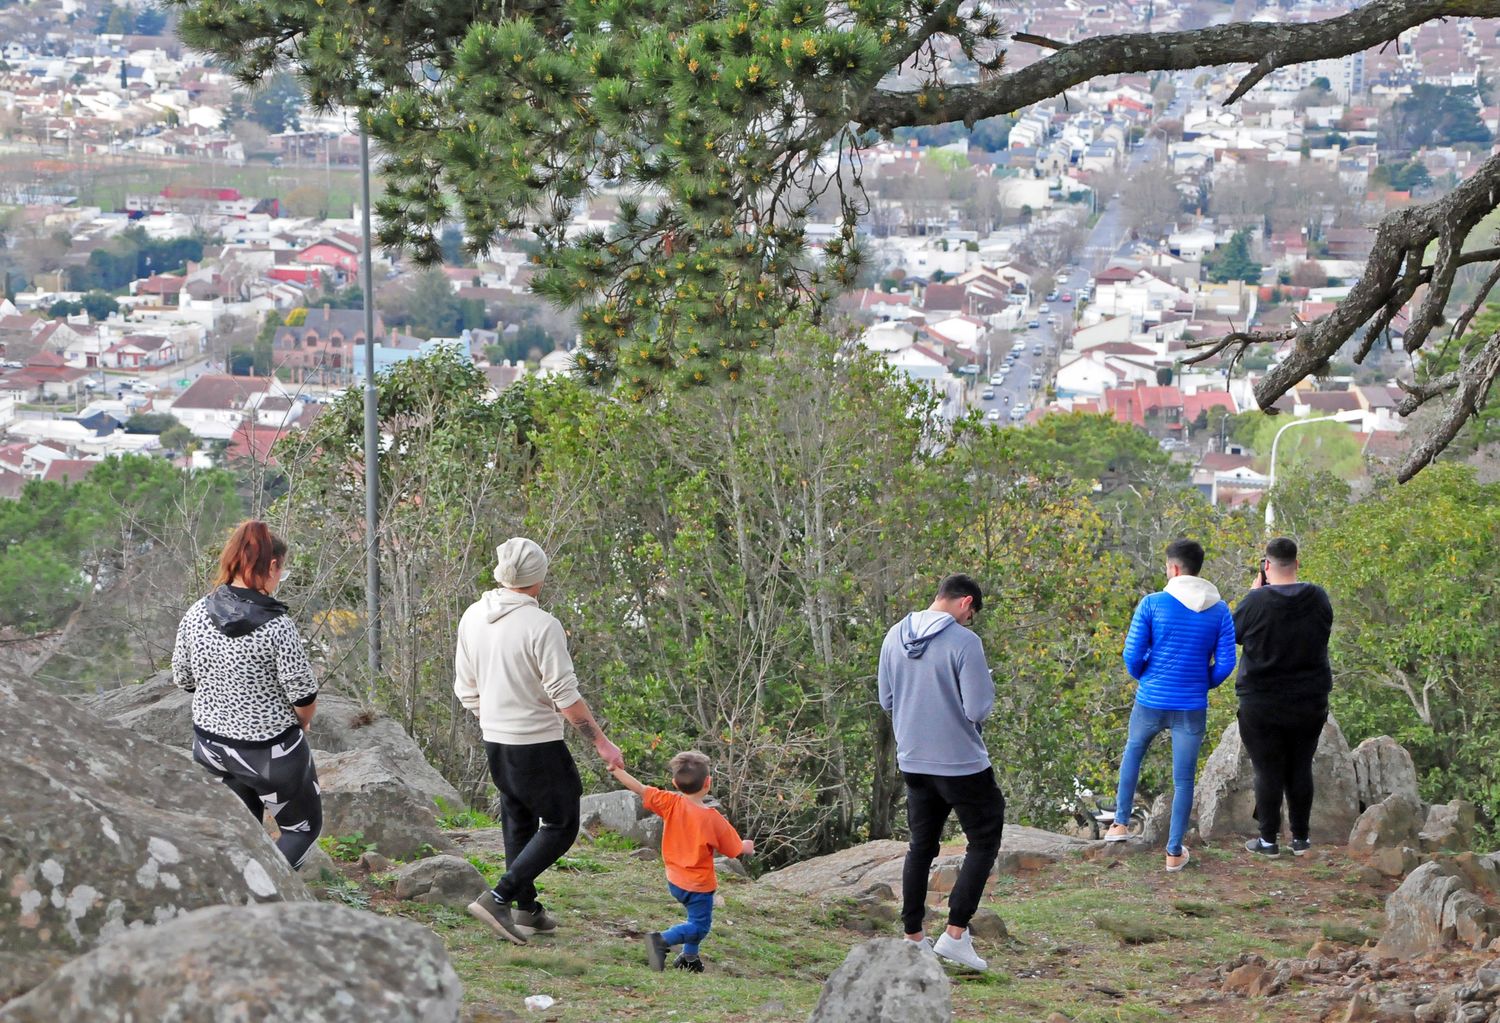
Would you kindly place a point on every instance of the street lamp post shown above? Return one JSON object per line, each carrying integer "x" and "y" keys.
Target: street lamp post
{"x": 372, "y": 423}
{"x": 1350, "y": 416}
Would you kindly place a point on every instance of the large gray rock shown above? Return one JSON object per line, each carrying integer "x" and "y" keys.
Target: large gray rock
{"x": 886, "y": 980}
{"x": 365, "y": 792}
{"x": 623, "y": 813}
{"x": 232, "y": 964}
{"x": 159, "y": 710}
{"x": 440, "y": 880}
{"x": 102, "y": 831}
{"x": 1434, "y": 906}
{"x": 857, "y": 869}
{"x": 1224, "y": 798}
{"x": 1449, "y": 827}
{"x": 1389, "y": 824}
{"x": 1383, "y": 768}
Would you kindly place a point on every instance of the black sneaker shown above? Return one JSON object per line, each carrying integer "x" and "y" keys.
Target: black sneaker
{"x": 656, "y": 951}
{"x": 1300, "y": 846}
{"x": 496, "y": 917}
{"x": 1264, "y": 848}
{"x": 686, "y": 962}
{"x": 535, "y": 921}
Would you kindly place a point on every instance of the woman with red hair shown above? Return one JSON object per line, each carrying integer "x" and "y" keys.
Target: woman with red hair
{"x": 254, "y": 694}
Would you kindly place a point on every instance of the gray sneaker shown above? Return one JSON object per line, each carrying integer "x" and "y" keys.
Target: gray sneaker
{"x": 656, "y": 951}
{"x": 497, "y": 918}
{"x": 534, "y": 921}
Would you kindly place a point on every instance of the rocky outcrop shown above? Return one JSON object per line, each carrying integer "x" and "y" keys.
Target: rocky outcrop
{"x": 439, "y": 880}
{"x": 856, "y": 870}
{"x": 1392, "y": 823}
{"x": 278, "y": 962}
{"x": 105, "y": 832}
{"x": 1449, "y": 827}
{"x": 1383, "y": 768}
{"x": 1437, "y": 904}
{"x": 1224, "y": 798}
{"x": 365, "y": 792}
{"x": 886, "y": 980}
{"x": 159, "y": 710}
{"x": 621, "y": 812}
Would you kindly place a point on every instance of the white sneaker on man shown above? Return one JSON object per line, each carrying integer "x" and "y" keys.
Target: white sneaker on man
{"x": 959, "y": 950}
{"x": 924, "y": 944}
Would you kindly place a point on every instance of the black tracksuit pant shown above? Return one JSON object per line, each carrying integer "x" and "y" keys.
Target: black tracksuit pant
{"x": 539, "y": 793}
{"x": 277, "y": 775}
{"x": 930, "y": 798}
{"x": 1281, "y": 742}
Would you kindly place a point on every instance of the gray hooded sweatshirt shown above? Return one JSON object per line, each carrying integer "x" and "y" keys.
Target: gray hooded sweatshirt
{"x": 936, "y": 686}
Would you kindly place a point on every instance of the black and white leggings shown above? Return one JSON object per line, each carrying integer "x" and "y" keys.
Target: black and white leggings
{"x": 279, "y": 777}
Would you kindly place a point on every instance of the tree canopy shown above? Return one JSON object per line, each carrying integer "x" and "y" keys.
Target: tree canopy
{"x": 720, "y": 124}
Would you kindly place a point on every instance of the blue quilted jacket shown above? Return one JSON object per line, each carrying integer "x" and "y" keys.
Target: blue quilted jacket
{"x": 1180, "y": 645}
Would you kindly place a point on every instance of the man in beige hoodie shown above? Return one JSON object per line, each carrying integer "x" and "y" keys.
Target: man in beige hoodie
{"x": 513, "y": 671}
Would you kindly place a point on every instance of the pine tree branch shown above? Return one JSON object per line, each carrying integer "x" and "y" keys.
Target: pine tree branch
{"x": 1266, "y": 46}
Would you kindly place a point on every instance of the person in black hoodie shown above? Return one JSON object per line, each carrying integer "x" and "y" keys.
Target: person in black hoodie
{"x": 254, "y": 694}
{"x": 1283, "y": 686}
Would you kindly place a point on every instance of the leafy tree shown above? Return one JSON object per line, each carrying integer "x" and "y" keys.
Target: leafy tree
{"x": 1232, "y": 262}
{"x": 1442, "y": 115}
{"x": 150, "y": 422}
{"x": 63, "y": 546}
{"x": 425, "y": 304}
{"x": 276, "y": 106}
{"x": 1403, "y": 177}
{"x": 1416, "y": 624}
{"x": 992, "y": 134}
{"x": 98, "y": 304}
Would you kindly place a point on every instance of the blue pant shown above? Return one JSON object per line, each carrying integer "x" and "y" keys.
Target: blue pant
{"x": 700, "y": 911}
{"x": 1187, "y": 728}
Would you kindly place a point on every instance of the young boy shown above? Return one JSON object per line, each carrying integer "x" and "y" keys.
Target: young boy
{"x": 691, "y": 834}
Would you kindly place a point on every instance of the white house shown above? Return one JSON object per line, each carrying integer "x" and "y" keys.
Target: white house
{"x": 1106, "y": 366}
{"x": 216, "y": 404}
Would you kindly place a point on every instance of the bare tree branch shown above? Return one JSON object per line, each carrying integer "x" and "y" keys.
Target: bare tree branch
{"x": 1474, "y": 378}
{"x": 1278, "y": 45}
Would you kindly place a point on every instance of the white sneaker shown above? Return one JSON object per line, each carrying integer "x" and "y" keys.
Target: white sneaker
{"x": 959, "y": 950}
{"x": 925, "y": 944}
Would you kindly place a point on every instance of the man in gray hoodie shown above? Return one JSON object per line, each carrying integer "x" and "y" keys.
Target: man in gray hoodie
{"x": 936, "y": 686}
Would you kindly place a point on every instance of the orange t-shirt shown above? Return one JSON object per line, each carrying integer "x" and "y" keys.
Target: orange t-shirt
{"x": 690, "y": 834}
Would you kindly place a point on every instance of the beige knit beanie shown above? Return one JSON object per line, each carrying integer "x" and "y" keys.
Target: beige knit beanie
{"x": 519, "y": 563}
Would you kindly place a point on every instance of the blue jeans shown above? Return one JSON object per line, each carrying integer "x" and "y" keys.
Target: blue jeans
{"x": 1187, "y": 728}
{"x": 700, "y": 911}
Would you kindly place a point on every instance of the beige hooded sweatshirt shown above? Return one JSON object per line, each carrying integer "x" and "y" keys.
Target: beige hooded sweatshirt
{"x": 512, "y": 669}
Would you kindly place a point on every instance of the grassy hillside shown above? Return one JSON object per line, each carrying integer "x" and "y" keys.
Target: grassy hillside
{"x": 1111, "y": 940}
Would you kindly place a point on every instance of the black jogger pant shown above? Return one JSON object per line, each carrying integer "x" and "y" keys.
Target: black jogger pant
{"x": 1281, "y": 744}
{"x": 279, "y": 777}
{"x": 539, "y": 793}
{"x": 981, "y": 813}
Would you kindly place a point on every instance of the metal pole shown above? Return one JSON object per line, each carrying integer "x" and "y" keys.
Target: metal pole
{"x": 372, "y": 424}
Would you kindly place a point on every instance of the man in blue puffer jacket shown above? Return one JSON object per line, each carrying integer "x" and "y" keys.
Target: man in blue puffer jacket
{"x": 1180, "y": 645}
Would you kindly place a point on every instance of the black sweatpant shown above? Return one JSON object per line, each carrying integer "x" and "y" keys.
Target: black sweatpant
{"x": 279, "y": 777}
{"x": 981, "y": 813}
{"x": 539, "y": 792}
{"x": 1281, "y": 742}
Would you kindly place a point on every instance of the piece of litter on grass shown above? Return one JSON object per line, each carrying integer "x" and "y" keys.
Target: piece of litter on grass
{"x": 536, "y": 1003}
